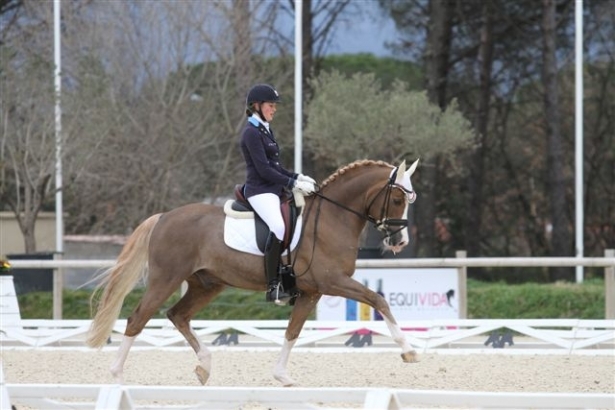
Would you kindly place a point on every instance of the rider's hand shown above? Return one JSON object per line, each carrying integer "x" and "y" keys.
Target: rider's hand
{"x": 306, "y": 187}
{"x": 305, "y": 178}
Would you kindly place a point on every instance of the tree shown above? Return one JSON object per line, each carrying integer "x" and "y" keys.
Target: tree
{"x": 27, "y": 149}
{"x": 27, "y": 137}
{"x": 437, "y": 55}
{"x": 9, "y": 12}
{"x": 560, "y": 235}
{"x": 319, "y": 19}
{"x": 599, "y": 123}
{"x": 464, "y": 41}
{"x": 437, "y": 24}
{"x": 476, "y": 178}
{"x": 153, "y": 102}
{"x": 392, "y": 125}
{"x": 144, "y": 131}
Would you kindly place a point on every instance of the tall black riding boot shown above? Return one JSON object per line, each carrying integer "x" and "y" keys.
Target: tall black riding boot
{"x": 275, "y": 291}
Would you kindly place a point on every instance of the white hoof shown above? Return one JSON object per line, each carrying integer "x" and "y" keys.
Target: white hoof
{"x": 118, "y": 377}
{"x": 285, "y": 380}
{"x": 117, "y": 374}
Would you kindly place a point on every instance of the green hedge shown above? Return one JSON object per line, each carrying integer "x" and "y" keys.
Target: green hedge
{"x": 485, "y": 301}
{"x": 536, "y": 301}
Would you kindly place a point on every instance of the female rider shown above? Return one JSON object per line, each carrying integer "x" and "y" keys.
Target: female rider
{"x": 267, "y": 180}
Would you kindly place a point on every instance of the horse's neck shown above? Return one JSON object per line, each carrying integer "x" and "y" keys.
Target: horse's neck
{"x": 353, "y": 191}
{"x": 353, "y": 188}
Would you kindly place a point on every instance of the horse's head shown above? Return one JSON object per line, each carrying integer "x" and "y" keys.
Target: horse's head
{"x": 376, "y": 192}
{"x": 388, "y": 208}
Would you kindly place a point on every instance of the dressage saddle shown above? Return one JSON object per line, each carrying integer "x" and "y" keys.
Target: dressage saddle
{"x": 290, "y": 213}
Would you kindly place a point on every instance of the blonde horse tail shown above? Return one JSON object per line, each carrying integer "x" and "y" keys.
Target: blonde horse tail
{"x": 117, "y": 281}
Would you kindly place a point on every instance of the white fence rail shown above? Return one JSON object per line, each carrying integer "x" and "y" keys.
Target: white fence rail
{"x": 510, "y": 336}
{"x": 461, "y": 263}
{"x": 110, "y": 397}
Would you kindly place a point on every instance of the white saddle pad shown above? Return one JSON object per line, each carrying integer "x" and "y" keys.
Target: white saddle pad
{"x": 240, "y": 233}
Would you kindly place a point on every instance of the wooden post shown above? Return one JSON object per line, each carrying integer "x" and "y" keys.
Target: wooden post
{"x": 609, "y": 286}
{"x": 462, "y": 282}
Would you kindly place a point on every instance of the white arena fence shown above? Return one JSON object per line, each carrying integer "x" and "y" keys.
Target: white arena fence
{"x": 591, "y": 337}
{"x": 111, "y": 397}
{"x": 450, "y": 336}
{"x": 456, "y": 336}
{"x": 461, "y": 262}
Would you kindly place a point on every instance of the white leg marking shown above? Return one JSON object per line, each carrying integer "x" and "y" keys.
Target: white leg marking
{"x": 398, "y": 336}
{"x": 203, "y": 369}
{"x": 204, "y": 356}
{"x": 117, "y": 368}
{"x": 279, "y": 370}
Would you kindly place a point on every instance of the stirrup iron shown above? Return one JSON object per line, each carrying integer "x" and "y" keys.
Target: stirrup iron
{"x": 274, "y": 292}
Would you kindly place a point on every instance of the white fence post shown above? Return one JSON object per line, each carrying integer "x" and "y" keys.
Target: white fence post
{"x": 609, "y": 287}
{"x": 462, "y": 278}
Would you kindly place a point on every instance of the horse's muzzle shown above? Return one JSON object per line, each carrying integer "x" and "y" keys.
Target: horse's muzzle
{"x": 397, "y": 241}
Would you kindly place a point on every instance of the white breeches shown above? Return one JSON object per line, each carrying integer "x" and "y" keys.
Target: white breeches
{"x": 267, "y": 206}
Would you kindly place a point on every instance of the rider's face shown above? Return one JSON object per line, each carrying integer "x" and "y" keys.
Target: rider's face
{"x": 268, "y": 109}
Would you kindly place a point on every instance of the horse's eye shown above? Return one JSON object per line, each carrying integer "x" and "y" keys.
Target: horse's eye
{"x": 398, "y": 202}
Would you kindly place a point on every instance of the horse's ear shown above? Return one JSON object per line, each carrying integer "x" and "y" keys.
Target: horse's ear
{"x": 413, "y": 167}
{"x": 400, "y": 172}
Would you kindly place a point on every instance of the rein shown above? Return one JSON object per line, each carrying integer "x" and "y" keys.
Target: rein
{"x": 360, "y": 215}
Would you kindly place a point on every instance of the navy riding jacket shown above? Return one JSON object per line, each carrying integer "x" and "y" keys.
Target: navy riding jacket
{"x": 262, "y": 155}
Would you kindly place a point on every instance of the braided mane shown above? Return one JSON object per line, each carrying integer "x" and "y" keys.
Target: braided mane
{"x": 353, "y": 165}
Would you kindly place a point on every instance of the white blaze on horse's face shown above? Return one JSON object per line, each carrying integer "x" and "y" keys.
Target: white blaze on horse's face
{"x": 402, "y": 180}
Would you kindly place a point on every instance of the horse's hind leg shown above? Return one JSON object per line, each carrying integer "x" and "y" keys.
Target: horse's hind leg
{"x": 117, "y": 367}
{"x": 196, "y": 297}
{"x": 146, "y": 308}
{"x": 301, "y": 310}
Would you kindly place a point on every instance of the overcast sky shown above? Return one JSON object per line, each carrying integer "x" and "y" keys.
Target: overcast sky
{"x": 364, "y": 35}
{"x": 367, "y": 32}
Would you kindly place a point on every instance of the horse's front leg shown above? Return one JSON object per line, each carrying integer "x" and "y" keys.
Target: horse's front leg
{"x": 408, "y": 354}
{"x": 303, "y": 307}
{"x": 351, "y": 289}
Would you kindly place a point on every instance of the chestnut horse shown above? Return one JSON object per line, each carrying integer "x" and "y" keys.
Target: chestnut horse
{"x": 186, "y": 244}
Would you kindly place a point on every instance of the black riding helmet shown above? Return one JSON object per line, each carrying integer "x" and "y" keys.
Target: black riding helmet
{"x": 261, "y": 93}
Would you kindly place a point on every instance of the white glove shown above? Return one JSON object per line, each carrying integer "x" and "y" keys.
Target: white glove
{"x": 306, "y": 187}
{"x": 305, "y": 178}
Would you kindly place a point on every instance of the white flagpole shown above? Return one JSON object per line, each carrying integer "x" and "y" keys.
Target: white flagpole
{"x": 578, "y": 145}
{"x": 57, "y": 281}
{"x": 298, "y": 84}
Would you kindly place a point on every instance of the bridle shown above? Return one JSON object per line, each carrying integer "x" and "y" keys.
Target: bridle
{"x": 388, "y": 226}
{"x": 382, "y": 224}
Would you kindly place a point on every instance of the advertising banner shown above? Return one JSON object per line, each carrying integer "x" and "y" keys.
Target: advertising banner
{"x": 412, "y": 294}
